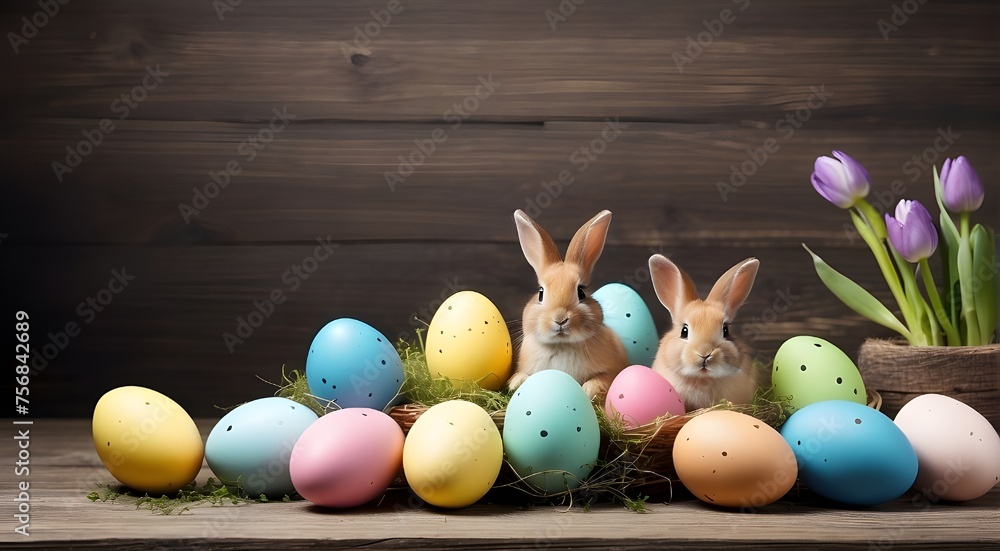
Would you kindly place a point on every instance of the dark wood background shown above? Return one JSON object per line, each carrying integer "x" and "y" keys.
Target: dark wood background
{"x": 449, "y": 224}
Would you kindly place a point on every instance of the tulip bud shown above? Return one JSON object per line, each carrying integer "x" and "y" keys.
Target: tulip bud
{"x": 961, "y": 189}
{"x": 912, "y": 232}
{"x": 841, "y": 181}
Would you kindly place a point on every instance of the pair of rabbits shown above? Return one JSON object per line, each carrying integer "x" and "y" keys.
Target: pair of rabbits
{"x": 563, "y": 327}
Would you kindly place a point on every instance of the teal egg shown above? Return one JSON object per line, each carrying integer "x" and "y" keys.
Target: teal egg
{"x": 550, "y": 434}
{"x": 810, "y": 370}
{"x": 252, "y": 445}
{"x": 626, "y": 314}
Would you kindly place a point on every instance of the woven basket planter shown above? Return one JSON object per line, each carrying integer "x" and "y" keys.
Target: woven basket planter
{"x": 900, "y": 372}
{"x": 650, "y": 446}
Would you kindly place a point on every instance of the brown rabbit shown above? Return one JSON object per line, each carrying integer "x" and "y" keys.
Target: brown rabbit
{"x": 563, "y": 328}
{"x": 699, "y": 357}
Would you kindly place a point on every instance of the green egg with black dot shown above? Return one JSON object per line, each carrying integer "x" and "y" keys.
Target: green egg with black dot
{"x": 810, "y": 369}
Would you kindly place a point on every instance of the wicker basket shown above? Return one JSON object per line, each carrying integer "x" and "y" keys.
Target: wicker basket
{"x": 649, "y": 446}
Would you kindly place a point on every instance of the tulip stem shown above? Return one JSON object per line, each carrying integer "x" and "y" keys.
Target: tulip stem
{"x": 949, "y": 330}
{"x": 913, "y": 296}
{"x": 888, "y": 270}
{"x": 965, "y": 282}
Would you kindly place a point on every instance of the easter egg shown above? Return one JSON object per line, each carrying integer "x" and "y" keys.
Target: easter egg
{"x": 452, "y": 454}
{"x": 810, "y": 370}
{"x": 347, "y": 457}
{"x": 252, "y": 445}
{"x": 353, "y": 365}
{"x": 626, "y": 314}
{"x": 850, "y": 453}
{"x": 468, "y": 339}
{"x": 958, "y": 450}
{"x": 639, "y": 395}
{"x": 550, "y": 434}
{"x": 731, "y": 459}
{"x": 146, "y": 440}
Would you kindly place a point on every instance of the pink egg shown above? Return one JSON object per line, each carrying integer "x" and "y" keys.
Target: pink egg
{"x": 640, "y": 395}
{"x": 347, "y": 458}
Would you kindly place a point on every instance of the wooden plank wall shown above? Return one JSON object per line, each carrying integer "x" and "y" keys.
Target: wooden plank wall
{"x": 201, "y": 95}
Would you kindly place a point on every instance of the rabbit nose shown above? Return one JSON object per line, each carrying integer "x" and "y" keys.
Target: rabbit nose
{"x": 705, "y": 358}
{"x": 562, "y": 322}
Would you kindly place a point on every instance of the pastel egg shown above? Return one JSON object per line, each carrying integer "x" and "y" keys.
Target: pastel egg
{"x": 958, "y": 450}
{"x": 351, "y": 364}
{"x": 347, "y": 457}
{"x": 850, "y": 453}
{"x": 810, "y": 369}
{"x": 452, "y": 454}
{"x": 627, "y": 315}
{"x": 468, "y": 339}
{"x": 731, "y": 459}
{"x": 252, "y": 445}
{"x": 146, "y": 440}
{"x": 639, "y": 395}
{"x": 550, "y": 434}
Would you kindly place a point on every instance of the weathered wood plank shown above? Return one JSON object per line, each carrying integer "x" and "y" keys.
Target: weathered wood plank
{"x": 166, "y": 328}
{"x": 606, "y": 59}
{"x": 63, "y": 518}
{"x": 666, "y": 183}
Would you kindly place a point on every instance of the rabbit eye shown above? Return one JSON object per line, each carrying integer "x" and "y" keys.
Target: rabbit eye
{"x": 684, "y": 332}
{"x": 725, "y": 330}
{"x": 580, "y": 294}
{"x": 541, "y": 291}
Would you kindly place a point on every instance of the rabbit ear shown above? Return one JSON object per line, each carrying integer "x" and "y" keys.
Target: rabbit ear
{"x": 536, "y": 243}
{"x": 673, "y": 287}
{"x": 734, "y": 286}
{"x": 588, "y": 244}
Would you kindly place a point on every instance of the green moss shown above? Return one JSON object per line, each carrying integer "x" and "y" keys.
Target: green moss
{"x": 211, "y": 493}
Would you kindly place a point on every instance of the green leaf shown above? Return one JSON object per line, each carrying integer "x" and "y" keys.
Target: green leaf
{"x": 985, "y": 280}
{"x": 855, "y": 296}
{"x": 949, "y": 255}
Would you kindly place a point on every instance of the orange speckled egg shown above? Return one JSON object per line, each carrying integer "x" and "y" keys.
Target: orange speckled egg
{"x": 731, "y": 459}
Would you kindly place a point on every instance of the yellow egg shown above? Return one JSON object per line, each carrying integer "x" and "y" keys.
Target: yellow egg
{"x": 468, "y": 339}
{"x": 452, "y": 454}
{"x": 146, "y": 440}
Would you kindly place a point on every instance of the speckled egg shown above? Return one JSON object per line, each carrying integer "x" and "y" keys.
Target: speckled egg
{"x": 626, "y": 314}
{"x": 958, "y": 450}
{"x": 351, "y": 364}
{"x": 550, "y": 433}
{"x": 810, "y": 370}
{"x": 639, "y": 395}
{"x": 252, "y": 445}
{"x": 468, "y": 339}
{"x": 731, "y": 459}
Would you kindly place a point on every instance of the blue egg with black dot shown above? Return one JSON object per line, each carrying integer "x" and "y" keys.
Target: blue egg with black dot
{"x": 352, "y": 364}
{"x": 550, "y": 434}
{"x": 626, "y": 314}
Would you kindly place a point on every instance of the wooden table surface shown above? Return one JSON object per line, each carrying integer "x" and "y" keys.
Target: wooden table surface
{"x": 65, "y": 468}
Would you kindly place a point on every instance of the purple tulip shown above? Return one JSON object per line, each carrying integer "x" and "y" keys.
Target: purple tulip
{"x": 841, "y": 181}
{"x": 912, "y": 232}
{"x": 962, "y": 190}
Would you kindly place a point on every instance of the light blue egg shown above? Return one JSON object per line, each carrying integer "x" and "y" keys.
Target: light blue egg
{"x": 627, "y": 315}
{"x": 850, "y": 453}
{"x": 353, "y": 365}
{"x": 550, "y": 425}
{"x": 252, "y": 445}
